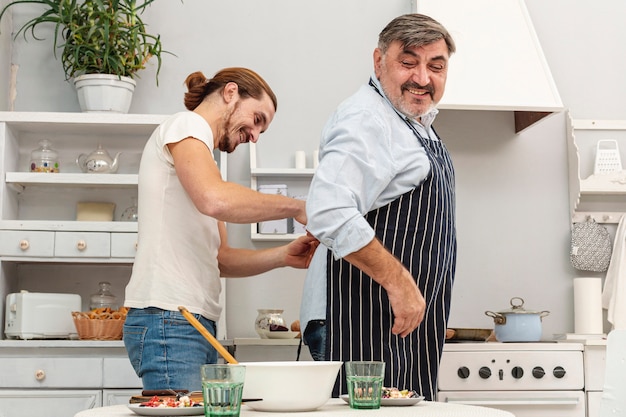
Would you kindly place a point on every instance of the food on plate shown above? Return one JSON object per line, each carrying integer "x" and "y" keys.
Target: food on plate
{"x": 396, "y": 393}
{"x": 170, "y": 402}
{"x": 278, "y": 328}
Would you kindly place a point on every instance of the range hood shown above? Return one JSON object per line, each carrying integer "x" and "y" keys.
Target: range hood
{"x": 499, "y": 63}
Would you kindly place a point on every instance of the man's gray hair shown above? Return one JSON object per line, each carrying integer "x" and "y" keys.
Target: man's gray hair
{"x": 414, "y": 30}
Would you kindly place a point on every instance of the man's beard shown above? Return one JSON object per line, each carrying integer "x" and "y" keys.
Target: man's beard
{"x": 399, "y": 106}
{"x": 224, "y": 143}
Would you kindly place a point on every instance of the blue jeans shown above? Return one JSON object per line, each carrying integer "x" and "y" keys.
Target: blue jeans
{"x": 166, "y": 350}
{"x": 314, "y": 337}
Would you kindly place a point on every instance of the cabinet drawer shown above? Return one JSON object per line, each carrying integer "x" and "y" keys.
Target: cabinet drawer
{"x": 48, "y": 403}
{"x": 50, "y": 372}
{"x": 119, "y": 373}
{"x": 26, "y": 243}
{"x": 123, "y": 245}
{"x": 82, "y": 244}
{"x": 118, "y": 396}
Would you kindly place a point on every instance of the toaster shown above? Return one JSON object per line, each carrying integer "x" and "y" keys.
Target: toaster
{"x": 38, "y": 315}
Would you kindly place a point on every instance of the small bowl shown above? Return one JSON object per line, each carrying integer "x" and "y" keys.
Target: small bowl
{"x": 289, "y": 386}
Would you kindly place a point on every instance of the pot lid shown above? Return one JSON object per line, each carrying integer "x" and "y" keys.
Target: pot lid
{"x": 516, "y": 307}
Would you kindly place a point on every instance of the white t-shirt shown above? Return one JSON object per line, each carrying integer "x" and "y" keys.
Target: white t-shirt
{"x": 176, "y": 261}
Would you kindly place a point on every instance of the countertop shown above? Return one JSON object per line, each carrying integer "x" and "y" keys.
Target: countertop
{"x": 339, "y": 408}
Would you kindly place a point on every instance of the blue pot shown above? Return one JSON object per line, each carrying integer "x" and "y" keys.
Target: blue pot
{"x": 517, "y": 324}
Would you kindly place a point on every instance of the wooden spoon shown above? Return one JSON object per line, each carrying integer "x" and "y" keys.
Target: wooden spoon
{"x": 207, "y": 335}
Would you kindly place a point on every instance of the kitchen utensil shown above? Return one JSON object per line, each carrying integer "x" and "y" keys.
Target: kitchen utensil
{"x": 607, "y": 157}
{"x": 196, "y": 396}
{"x": 99, "y": 161}
{"x": 468, "y": 334}
{"x": 289, "y": 385}
{"x": 517, "y": 324}
{"x": 207, "y": 335}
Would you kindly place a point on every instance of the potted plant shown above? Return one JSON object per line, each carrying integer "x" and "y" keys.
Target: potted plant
{"x": 103, "y": 43}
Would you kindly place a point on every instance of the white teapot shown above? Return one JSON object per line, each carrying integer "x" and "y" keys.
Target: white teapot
{"x": 99, "y": 161}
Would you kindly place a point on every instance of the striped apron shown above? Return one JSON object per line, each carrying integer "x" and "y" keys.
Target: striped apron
{"x": 419, "y": 229}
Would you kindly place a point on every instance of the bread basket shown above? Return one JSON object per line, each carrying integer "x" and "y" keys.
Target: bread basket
{"x": 99, "y": 325}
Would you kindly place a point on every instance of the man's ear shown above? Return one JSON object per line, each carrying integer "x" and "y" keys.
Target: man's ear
{"x": 230, "y": 92}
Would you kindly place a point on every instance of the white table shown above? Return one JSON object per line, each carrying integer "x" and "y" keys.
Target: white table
{"x": 338, "y": 408}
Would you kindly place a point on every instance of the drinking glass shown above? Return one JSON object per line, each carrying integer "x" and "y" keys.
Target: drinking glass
{"x": 222, "y": 386}
{"x": 365, "y": 383}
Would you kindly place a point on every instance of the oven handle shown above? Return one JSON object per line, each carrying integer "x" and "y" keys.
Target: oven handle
{"x": 514, "y": 401}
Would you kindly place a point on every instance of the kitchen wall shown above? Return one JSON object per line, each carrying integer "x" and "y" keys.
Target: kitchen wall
{"x": 512, "y": 189}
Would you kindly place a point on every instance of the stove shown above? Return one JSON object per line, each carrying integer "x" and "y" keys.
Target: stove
{"x": 528, "y": 379}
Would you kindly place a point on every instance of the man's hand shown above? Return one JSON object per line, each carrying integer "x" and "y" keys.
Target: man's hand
{"x": 407, "y": 303}
{"x": 298, "y": 253}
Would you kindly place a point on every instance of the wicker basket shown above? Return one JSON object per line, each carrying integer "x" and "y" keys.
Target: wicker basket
{"x": 96, "y": 328}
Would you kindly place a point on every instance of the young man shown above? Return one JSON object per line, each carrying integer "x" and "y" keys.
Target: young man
{"x": 183, "y": 248}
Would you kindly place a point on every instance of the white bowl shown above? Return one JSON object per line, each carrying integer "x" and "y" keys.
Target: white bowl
{"x": 289, "y": 386}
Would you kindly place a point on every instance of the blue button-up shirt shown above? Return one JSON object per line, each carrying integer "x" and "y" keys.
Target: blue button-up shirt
{"x": 368, "y": 158}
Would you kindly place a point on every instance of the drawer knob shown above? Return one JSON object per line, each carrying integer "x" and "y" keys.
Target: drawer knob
{"x": 24, "y": 244}
{"x": 40, "y": 375}
{"x": 81, "y": 245}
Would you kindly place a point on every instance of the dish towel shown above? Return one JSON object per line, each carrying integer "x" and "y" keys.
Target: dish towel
{"x": 614, "y": 291}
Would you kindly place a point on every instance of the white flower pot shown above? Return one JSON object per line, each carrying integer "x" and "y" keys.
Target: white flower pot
{"x": 98, "y": 93}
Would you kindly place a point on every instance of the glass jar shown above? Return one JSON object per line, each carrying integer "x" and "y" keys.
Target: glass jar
{"x": 44, "y": 158}
{"x": 130, "y": 213}
{"x": 265, "y": 319}
{"x": 103, "y": 298}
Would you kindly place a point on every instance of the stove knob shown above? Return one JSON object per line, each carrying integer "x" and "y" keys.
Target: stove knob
{"x": 517, "y": 372}
{"x": 559, "y": 372}
{"x": 538, "y": 372}
{"x": 463, "y": 372}
{"x": 484, "y": 372}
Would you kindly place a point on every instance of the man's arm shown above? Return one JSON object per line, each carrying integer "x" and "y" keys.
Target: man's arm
{"x": 223, "y": 200}
{"x": 406, "y": 300}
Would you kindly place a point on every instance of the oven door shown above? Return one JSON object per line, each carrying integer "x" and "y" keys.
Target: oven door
{"x": 523, "y": 403}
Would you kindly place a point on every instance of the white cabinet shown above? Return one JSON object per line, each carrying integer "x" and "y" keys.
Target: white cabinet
{"x": 602, "y": 196}
{"x": 49, "y": 403}
{"x": 297, "y": 181}
{"x": 44, "y": 248}
{"x": 38, "y": 223}
{"x": 63, "y": 377}
{"x": 595, "y": 366}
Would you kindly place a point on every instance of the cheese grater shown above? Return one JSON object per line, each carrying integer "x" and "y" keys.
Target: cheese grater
{"x": 607, "y": 157}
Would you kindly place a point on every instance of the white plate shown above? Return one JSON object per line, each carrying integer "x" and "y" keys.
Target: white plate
{"x": 392, "y": 402}
{"x": 280, "y": 335}
{"x": 166, "y": 411}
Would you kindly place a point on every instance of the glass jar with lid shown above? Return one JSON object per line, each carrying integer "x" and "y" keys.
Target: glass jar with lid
{"x": 103, "y": 298}
{"x": 44, "y": 158}
{"x": 130, "y": 213}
